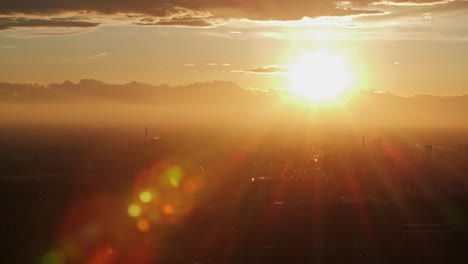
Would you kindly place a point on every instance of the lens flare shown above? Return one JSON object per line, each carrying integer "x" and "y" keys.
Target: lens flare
{"x": 54, "y": 256}
{"x": 134, "y": 210}
{"x": 143, "y": 225}
{"x": 166, "y": 193}
{"x": 102, "y": 255}
{"x": 174, "y": 175}
{"x": 168, "y": 209}
{"x": 146, "y": 197}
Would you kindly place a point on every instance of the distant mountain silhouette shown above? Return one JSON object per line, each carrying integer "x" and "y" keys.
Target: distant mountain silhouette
{"x": 222, "y": 100}
{"x": 87, "y": 89}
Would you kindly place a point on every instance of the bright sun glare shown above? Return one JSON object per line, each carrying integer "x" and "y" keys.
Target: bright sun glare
{"x": 320, "y": 76}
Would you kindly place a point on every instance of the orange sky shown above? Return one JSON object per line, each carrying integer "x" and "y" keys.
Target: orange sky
{"x": 404, "y": 47}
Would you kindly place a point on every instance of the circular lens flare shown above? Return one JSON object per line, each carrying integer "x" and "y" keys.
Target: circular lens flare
{"x": 134, "y": 210}
{"x": 143, "y": 225}
{"x": 146, "y": 197}
{"x": 168, "y": 209}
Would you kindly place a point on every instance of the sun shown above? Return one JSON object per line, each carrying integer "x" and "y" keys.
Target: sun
{"x": 320, "y": 76}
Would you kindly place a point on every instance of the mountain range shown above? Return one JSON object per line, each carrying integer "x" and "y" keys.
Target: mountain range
{"x": 219, "y": 101}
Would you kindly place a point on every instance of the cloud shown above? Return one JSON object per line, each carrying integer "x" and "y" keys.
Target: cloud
{"x": 21, "y": 22}
{"x": 399, "y": 10}
{"x": 100, "y": 54}
{"x": 266, "y": 70}
{"x": 187, "y": 12}
{"x": 216, "y": 64}
{"x": 178, "y": 21}
{"x": 204, "y": 13}
{"x": 183, "y": 23}
{"x": 48, "y": 32}
{"x": 412, "y": 3}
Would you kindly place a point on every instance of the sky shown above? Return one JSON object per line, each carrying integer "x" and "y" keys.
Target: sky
{"x": 400, "y": 47}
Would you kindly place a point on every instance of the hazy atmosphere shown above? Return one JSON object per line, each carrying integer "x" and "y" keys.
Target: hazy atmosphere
{"x": 234, "y": 131}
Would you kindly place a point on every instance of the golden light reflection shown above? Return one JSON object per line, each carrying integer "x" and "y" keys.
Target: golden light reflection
{"x": 168, "y": 209}
{"x": 175, "y": 176}
{"x": 320, "y": 76}
{"x": 143, "y": 225}
{"x": 134, "y": 210}
{"x": 146, "y": 197}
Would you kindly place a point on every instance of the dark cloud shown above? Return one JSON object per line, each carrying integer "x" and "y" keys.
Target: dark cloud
{"x": 410, "y": 11}
{"x": 193, "y": 13}
{"x": 19, "y": 22}
{"x": 451, "y": 6}
{"x": 286, "y": 10}
{"x": 398, "y": 2}
{"x": 186, "y": 22}
{"x": 49, "y": 7}
{"x": 252, "y": 9}
{"x": 266, "y": 70}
